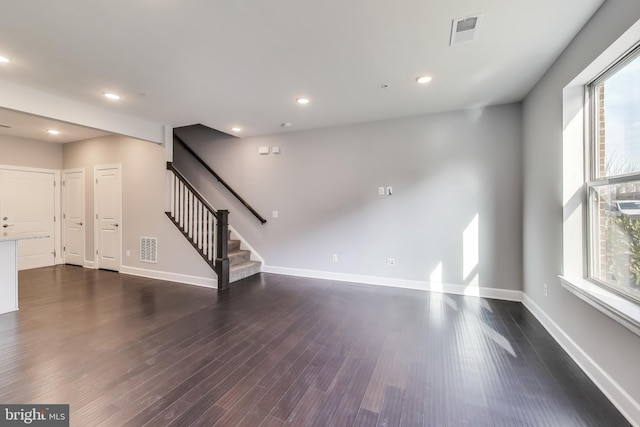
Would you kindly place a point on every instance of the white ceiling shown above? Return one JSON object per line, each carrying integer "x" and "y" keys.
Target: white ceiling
{"x": 242, "y": 62}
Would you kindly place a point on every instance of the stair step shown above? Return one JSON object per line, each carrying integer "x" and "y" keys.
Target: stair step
{"x": 234, "y": 245}
{"x": 245, "y": 269}
{"x": 239, "y": 256}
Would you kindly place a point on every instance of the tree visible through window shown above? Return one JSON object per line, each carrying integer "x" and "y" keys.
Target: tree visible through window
{"x": 614, "y": 186}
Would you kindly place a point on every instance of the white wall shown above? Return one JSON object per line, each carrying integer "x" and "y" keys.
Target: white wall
{"x": 608, "y": 351}
{"x": 143, "y": 196}
{"x": 29, "y": 153}
{"x": 446, "y": 170}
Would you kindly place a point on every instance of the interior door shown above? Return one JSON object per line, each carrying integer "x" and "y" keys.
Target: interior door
{"x": 27, "y": 205}
{"x": 108, "y": 206}
{"x": 73, "y": 216}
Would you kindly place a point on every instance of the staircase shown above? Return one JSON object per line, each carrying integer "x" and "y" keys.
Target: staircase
{"x": 240, "y": 263}
{"x": 208, "y": 232}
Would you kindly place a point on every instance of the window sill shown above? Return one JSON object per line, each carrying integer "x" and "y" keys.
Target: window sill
{"x": 621, "y": 310}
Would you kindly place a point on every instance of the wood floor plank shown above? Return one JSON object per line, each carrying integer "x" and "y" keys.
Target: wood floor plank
{"x": 366, "y": 418}
{"x": 305, "y": 408}
{"x": 391, "y": 412}
{"x": 351, "y": 401}
{"x": 281, "y": 350}
{"x": 374, "y": 395}
{"x": 241, "y": 407}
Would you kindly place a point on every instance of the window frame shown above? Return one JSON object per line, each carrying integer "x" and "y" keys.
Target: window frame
{"x": 591, "y": 158}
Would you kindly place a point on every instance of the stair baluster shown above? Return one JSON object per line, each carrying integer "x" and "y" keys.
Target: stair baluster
{"x": 196, "y": 219}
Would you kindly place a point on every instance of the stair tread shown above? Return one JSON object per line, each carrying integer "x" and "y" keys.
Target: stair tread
{"x": 243, "y": 270}
{"x": 243, "y": 265}
{"x": 239, "y": 251}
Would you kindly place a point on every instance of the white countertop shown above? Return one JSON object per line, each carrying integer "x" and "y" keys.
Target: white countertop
{"x": 4, "y": 237}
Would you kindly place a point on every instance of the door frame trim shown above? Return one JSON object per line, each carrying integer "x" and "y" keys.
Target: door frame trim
{"x": 84, "y": 215}
{"x": 57, "y": 208}
{"x": 96, "y": 227}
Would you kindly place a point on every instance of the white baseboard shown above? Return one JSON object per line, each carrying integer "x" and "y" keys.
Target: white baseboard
{"x": 206, "y": 282}
{"x": 447, "y": 288}
{"x": 89, "y": 264}
{"x": 622, "y": 400}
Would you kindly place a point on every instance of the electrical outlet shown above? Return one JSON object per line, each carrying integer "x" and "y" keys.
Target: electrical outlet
{"x": 128, "y": 253}
{"x": 380, "y": 191}
{"x": 334, "y": 257}
{"x": 391, "y": 262}
{"x": 275, "y": 214}
{"x": 545, "y": 289}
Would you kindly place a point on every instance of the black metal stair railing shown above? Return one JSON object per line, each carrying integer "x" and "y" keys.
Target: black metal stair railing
{"x": 218, "y": 178}
{"x": 204, "y": 227}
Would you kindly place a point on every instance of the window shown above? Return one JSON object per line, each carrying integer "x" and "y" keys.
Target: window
{"x": 613, "y": 188}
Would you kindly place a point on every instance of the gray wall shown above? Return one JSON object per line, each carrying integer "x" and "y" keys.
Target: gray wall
{"x": 143, "y": 202}
{"x": 28, "y": 153}
{"x": 444, "y": 169}
{"x": 611, "y": 346}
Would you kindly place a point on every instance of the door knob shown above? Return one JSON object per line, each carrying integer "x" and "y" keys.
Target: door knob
{"x": 115, "y": 225}
{"x": 78, "y": 223}
{"x": 7, "y": 225}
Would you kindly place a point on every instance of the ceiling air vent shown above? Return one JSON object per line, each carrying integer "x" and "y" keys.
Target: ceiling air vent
{"x": 465, "y": 30}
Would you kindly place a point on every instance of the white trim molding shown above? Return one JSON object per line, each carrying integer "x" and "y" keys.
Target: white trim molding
{"x": 446, "y": 288}
{"x": 622, "y": 400}
{"x": 623, "y": 311}
{"x": 206, "y": 282}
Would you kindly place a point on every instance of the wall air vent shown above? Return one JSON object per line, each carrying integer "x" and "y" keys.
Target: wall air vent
{"x": 464, "y": 30}
{"x": 149, "y": 249}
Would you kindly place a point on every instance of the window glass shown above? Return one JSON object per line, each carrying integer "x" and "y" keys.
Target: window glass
{"x": 614, "y": 189}
{"x": 615, "y": 237}
{"x": 617, "y": 121}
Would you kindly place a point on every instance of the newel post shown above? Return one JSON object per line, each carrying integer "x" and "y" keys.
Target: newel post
{"x": 222, "y": 250}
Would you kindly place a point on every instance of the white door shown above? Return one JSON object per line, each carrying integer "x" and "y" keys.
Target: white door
{"x": 27, "y": 205}
{"x": 73, "y": 216}
{"x": 108, "y": 207}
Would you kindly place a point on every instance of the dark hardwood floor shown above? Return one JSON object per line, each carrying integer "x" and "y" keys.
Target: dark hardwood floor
{"x": 278, "y": 350}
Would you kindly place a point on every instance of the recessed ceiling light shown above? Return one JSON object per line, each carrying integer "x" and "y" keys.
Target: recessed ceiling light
{"x": 112, "y": 96}
{"x": 53, "y": 131}
{"x": 236, "y": 129}
{"x": 303, "y": 100}
{"x": 4, "y": 59}
{"x": 286, "y": 124}
{"x": 423, "y": 79}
